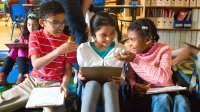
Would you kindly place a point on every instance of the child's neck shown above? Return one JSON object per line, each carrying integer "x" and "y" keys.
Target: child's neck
{"x": 147, "y": 49}
{"x": 100, "y": 47}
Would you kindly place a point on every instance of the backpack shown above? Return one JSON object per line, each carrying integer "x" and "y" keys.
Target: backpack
{"x": 186, "y": 74}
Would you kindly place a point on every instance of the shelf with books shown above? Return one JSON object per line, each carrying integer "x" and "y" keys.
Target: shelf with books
{"x": 170, "y": 18}
{"x": 189, "y": 7}
{"x": 179, "y": 29}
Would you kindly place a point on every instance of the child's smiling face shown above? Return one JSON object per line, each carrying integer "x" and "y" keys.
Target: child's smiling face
{"x": 54, "y": 24}
{"x": 105, "y": 35}
{"x": 137, "y": 43}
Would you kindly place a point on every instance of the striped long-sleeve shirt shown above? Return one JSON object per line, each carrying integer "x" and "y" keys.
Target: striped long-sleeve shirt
{"x": 154, "y": 67}
{"x": 42, "y": 44}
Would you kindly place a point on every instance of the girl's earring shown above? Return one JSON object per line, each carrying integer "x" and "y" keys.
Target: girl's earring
{"x": 93, "y": 38}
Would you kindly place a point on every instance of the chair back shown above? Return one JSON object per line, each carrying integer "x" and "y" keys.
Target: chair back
{"x": 18, "y": 13}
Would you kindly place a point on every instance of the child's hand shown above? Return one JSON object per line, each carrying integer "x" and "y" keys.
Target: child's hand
{"x": 125, "y": 56}
{"x": 67, "y": 47}
{"x": 116, "y": 80}
{"x": 64, "y": 89}
{"x": 140, "y": 89}
{"x": 80, "y": 76}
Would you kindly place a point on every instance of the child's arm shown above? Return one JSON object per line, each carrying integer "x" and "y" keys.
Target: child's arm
{"x": 66, "y": 78}
{"x": 184, "y": 53}
{"x": 136, "y": 88}
{"x": 39, "y": 62}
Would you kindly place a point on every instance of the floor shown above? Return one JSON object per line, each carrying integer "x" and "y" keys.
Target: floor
{"x": 5, "y": 33}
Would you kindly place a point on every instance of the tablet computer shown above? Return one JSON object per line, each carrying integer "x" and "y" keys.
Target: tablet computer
{"x": 100, "y": 73}
{"x": 17, "y": 45}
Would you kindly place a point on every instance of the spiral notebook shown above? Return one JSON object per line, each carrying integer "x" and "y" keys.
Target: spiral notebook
{"x": 45, "y": 97}
{"x": 166, "y": 89}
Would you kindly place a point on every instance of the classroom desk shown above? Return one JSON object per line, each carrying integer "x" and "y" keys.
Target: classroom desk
{"x": 133, "y": 8}
{"x": 31, "y": 6}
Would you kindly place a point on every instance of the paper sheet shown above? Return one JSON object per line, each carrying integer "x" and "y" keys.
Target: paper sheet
{"x": 165, "y": 89}
{"x": 43, "y": 97}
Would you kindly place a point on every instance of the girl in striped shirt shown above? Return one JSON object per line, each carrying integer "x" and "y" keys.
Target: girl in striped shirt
{"x": 150, "y": 66}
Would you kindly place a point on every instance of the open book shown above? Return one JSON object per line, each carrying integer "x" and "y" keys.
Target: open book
{"x": 44, "y": 97}
{"x": 165, "y": 89}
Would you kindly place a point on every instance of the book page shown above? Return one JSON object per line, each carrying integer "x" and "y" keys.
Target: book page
{"x": 42, "y": 97}
{"x": 165, "y": 89}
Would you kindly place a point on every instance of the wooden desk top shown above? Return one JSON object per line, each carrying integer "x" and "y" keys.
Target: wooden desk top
{"x": 31, "y": 5}
{"x": 118, "y": 6}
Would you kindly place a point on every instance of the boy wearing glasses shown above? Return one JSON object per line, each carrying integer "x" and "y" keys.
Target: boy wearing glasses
{"x": 47, "y": 49}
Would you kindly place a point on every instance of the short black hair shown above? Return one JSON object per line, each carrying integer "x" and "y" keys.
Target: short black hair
{"x": 99, "y": 20}
{"x": 145, "y": 27}
{"x": 50, "y": 8}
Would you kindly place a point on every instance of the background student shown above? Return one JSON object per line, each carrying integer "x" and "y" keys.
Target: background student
{"x": 20, "y": 55}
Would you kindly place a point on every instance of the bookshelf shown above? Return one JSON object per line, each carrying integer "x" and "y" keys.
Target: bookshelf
{"x": 179, "y": 29}
{"x": 175, "y": 37}
{"x": 190, "y": 7}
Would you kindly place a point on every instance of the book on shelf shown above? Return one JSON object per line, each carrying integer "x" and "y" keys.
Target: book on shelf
{"x": 189, "y": 15}
{"x": 181, "y": 16}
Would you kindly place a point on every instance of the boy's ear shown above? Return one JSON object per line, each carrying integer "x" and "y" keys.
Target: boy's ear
{"x": 41, "y": 22}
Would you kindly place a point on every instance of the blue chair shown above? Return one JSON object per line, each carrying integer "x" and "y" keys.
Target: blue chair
{"x": 18, "y": 16}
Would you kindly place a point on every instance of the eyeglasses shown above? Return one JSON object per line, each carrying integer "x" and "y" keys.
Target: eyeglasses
{"x": 56, "y": 24}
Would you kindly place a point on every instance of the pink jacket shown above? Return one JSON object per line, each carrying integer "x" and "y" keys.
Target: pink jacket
{"x": 23, "y": 40}
{"x": 154, "y": 67}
